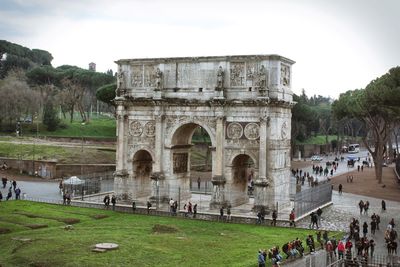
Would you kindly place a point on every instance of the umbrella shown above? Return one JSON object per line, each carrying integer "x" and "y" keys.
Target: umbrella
{"x": 351, "y": 157}
{"x": 73, "y": 180}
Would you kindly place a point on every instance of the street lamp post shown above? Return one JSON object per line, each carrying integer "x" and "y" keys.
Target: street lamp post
{"x": 34, "y": 143}
{"x": 82, "y": 159}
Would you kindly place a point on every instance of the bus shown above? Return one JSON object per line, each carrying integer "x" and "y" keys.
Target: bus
{"x": 354, "y": 148}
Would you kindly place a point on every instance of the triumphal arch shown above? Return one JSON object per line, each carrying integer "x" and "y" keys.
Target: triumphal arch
{"x": 242, "y": 102}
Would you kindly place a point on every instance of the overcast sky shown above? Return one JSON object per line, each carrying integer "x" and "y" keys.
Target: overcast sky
{"x": 338, "y": 45}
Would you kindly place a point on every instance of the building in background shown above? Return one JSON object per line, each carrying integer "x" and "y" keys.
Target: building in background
{"x": 92, "y": 66}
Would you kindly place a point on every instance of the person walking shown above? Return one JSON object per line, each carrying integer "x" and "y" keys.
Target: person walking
{"x": 221, "y": 213}
{"x": 274, "y": 217}
{"x": 148, "y": 207}
{"x": 366, "y": 207}
{"x": 14, "y": 184}
{"x": 228, "y": 213}
{"x": 373, "y": 226}
{"x": 340, "y": 189}
{"x": 261, "y": 259}
{"x": 319, "y": 213}
{"x": 292, "y": 218}
{"x": 9, "y": 194}
{"x": 113, "y": 201}
{"x": 171, "y": 206}
{"x": 341, "y": 249}
{"x": 194, "y": 210}
{"x": 361, "y": 206}
{"x": 17, "y": 193}
{"x": 365, "y": 229}
{"x": 198, "y": 183}
{"x": 383, "y": 205}
{"x": 106, "y": 201}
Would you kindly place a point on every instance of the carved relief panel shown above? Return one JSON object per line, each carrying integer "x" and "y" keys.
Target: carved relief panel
{"x": 252, "y": 131}
{"x": 137, "y": 76}
{"x": 142, "y": 133}
{"x": 237, "y": 74}
{"x": 135, "y": 128}
{"x": 285, "y": 75}
{"x": 180, "y": 161}
{"x": 150, "y": 75}
{"x": 234, "y": 130}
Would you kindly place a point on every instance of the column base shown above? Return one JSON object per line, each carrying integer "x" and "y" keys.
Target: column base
{"x": 218, "y": 195}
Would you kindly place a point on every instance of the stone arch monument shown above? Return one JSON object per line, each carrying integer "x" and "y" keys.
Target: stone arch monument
{"x": 244, "y": 104}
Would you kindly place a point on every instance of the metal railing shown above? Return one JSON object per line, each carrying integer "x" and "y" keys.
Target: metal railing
{"x": 312, "y": 198}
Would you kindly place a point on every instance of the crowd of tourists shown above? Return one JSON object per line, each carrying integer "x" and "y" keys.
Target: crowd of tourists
{"x": 13, "y": 189}
{"x": 295, "y": 248}
{"x": 317, "y": 170}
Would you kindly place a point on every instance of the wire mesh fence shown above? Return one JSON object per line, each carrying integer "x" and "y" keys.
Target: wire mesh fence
{"x": 374, "y": 261}
{"x": 312, "y": 198}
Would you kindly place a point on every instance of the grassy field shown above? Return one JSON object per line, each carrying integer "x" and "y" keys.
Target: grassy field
{"x": 62, "y": 154}
{"x": 101, "y": 127}
{"x": 184, "y": 243}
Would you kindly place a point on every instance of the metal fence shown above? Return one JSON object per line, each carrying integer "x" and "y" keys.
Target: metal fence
{"x": 94, "y": 183}
{"x": 312, "y": 198}
{"x": 376, "y": 260}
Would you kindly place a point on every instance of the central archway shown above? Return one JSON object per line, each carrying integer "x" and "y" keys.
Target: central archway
{"x": 191, "y": 159}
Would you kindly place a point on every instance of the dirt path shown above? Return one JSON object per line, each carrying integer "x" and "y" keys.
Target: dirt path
{"x": 365, "y": 184}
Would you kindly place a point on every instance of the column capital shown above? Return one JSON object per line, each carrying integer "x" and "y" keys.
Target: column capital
{"x": 266, "y": 119}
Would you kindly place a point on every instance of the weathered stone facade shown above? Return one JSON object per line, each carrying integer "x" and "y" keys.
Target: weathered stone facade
{"x": 243, "y": 102}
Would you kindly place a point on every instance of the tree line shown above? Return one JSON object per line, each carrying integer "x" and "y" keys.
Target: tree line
{"x": 31, "y": 86}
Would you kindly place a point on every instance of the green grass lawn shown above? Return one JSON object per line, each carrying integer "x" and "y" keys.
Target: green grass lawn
{"x": 101, "y": 127}
{"x": 62, "y": 154}
{"x": 195, "y": 243}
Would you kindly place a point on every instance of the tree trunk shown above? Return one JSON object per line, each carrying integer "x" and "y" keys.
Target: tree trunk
{"x": 71, "y": 114}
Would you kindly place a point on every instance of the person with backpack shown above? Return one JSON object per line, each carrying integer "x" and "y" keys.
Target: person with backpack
{"x": 310, "y": 243}
{"x": 261, "y": 259}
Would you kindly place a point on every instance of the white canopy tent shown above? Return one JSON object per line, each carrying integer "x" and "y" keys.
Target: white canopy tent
{"x": 73, "y": 180}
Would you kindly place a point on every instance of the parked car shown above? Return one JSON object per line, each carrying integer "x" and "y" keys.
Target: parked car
{"x": 316, "y": 158}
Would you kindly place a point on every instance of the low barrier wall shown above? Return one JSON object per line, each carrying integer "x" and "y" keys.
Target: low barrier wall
{"x": 51, "y": 169}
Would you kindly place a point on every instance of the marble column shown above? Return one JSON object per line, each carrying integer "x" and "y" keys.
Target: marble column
{"x": 261, "y": 182}
{"x": 121, "y": 165}
{"x": 218, "y": 180}
{"x": 121, "y": 174}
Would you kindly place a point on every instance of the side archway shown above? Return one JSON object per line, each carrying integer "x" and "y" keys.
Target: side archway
{"x": 142, "y": 166}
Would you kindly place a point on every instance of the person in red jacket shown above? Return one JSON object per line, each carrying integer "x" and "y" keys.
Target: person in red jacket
{"x": 341, "y": 248}
{"x": 292, "y": 217}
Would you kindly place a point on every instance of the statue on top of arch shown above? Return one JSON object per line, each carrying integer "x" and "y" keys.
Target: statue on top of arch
{"x": 220, "y": 79}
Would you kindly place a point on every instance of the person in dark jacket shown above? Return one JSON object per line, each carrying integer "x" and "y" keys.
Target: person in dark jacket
{"x": 113, "y": 201}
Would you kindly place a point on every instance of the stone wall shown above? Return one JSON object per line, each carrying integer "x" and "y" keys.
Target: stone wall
{"x": 52, "y": 170}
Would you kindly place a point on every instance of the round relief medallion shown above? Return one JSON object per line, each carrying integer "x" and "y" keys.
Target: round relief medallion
{"x": 150, "y": 129}
{"x": 252, "y": 131}
{"x": 135, "y": 128}
{"x": 284, "y": 130}
{"x": 235, "y": 130}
